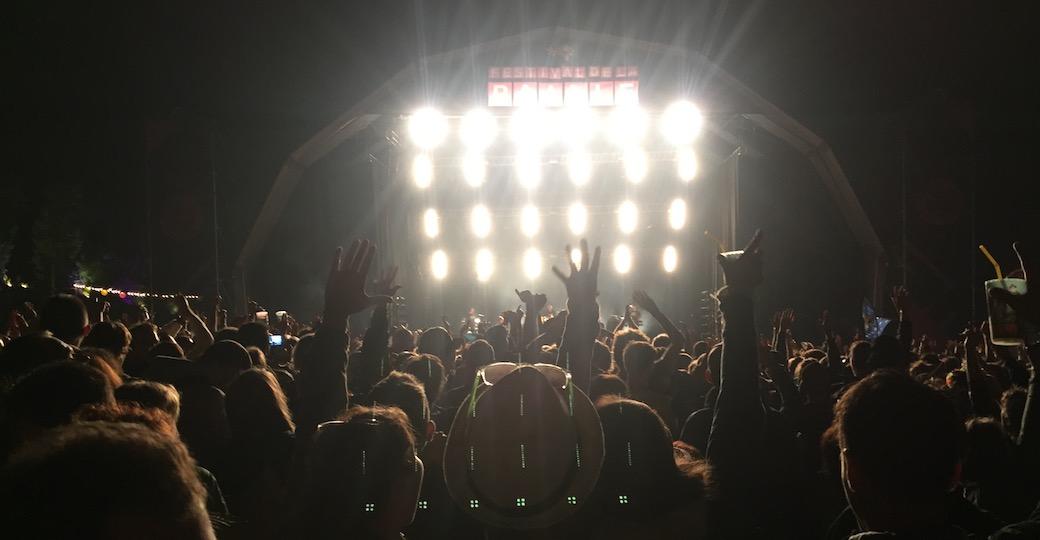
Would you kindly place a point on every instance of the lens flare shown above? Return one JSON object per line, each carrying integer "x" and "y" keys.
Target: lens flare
{"x": 485, "y": 265}
{"x": 577, "y": 218}
{"x": 636, "y": 164}
{"x": 480, "y": 221}
{"x": 677, "y": 214}
{"x": 627, "y": 217}
{"x": 478, "y": 130}
{"x": 427, "y": 128}
{"x": 579, "y": 167}
{"x": 532, "y": 263}
{"x": 439, "y": 264}
{"x": 431, "y": 223}
{"x": 474, "y": 169}
{"x": 670, "y": 259}
{"x": 681, "y": 123}
{"x": 686, "y": 165}
{"x": 529, "y": 168}
{"x": 622, "y": 259}
{"x": 530, "y": 221}
{"x": 422, "y": 171}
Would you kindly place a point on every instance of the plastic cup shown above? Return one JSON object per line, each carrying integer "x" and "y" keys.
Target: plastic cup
{"x": 1004, "y": 328}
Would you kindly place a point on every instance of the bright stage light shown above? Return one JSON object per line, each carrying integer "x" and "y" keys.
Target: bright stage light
{"x": 622, "y": 259}
{"x": 478, "y": 130}
{"x": 532, "y": 263}
{"x": 530, "y": 221}
{"x": 431, "y": 223}
{"x": 480, "y": 221}
{"x": 579, "y": 167}
{"x": 627, "y": 217}
{"x": 686, "y": 163}
{"x": 474, "y": 169}
{"x": 627, "y": 126}
{"x": 681, "y": 123}
{"x": 636, "y": 164}
{"x": 427, "y": 128}
{"x": 577, "y": 218}
{"x": 532, "y": 127}
{"x": 529, "y": 168}
{"x": 677, "y": 214}
{"x": 576, "y": 257}
{"x": 577, "y": 126}
{"x": 422, "y": 171}
{"x": 485, "y": 265}
{"x": 670, "y": 259}
{"x": 439, "y": 264}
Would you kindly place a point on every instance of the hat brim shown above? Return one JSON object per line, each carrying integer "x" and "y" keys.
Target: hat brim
{"x": 586, "y": 461}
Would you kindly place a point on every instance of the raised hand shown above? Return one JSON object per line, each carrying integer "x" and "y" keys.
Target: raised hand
{"x": 581, "y": 283}
{"x": 510, "y": 317}
{"x": 345, "y": 290}
{"x": 644, "y": 301}
{"x": 899, "y": 297}
{"x": 1026, "y": 306}
{"x": 181, "y": 303}
{"x": 384, "y": 285}
{"x": 554, "y": 326}
{"x": 535, "y": 302}
{"x": 973, "y": 338}
{"x": 29, "y": 314}
{"x": 824, "y": 323}
{"x": 744, "y": 273}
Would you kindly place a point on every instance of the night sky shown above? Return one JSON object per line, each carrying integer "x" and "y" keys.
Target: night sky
{"x": 101, "y": 97}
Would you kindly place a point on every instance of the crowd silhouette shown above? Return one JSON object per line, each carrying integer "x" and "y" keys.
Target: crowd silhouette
{"x": 575, "y": 425}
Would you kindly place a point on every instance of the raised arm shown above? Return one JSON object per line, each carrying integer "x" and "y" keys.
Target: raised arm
{"x": 830, "y": 339}
{"x": 983, "y": 402}
{"x": 782, "y": 321}
{"x": 199, "y": 333}
{"x": 735, "y": 441}
{"x": 1028, "y": 438}
{"x": 582, "y": 326}
{"x": 900, "y": 300}
{"x": 375, "y": 346}
{"x": 668, "y": 360}
{"x": 1027, "y": 308}
{"x": 323, "y": 380}
{"x": 533, "y": 305}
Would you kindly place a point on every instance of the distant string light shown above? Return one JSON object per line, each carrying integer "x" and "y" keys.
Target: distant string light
{"x": 106, "y": 291}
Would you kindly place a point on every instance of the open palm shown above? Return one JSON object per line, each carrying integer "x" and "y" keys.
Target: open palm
{"x": 345, "y": 290}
